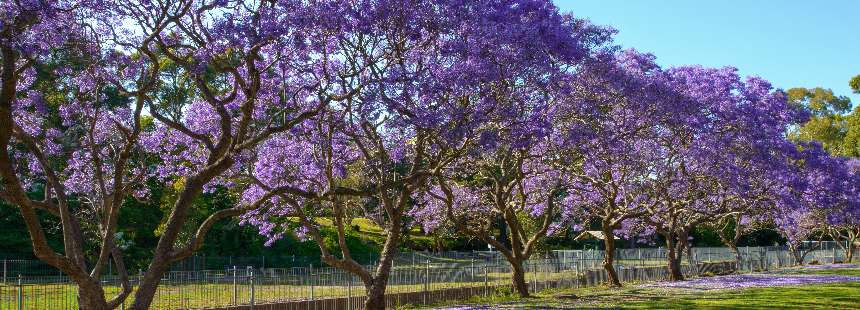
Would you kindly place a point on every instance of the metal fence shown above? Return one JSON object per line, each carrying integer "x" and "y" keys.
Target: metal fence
{"x": 416, "y": 278}
{"x": 30, "y": 267}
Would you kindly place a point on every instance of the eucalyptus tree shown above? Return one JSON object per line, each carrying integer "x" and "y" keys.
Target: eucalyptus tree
{"x": 854, "y": 83}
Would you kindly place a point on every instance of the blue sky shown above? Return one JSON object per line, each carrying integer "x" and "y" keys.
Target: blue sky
{"x": 789, "y": 42}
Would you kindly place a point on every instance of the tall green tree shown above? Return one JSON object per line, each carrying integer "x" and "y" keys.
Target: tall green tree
{"x": 829, "y": 124}
{"x": 819, "y": 101}
{"x": 855, "y": 84}
{"x": 850, "y": 144}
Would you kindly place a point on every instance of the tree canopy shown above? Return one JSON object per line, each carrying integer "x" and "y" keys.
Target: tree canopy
{"x": 484, "y": 118}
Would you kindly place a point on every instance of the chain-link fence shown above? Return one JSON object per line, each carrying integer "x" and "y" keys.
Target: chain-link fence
{"x": 416, "y": 278}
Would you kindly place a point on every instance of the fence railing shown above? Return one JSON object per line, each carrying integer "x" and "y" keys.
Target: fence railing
{"x": 11, "y": 267}
{"x": 417, "y": 278}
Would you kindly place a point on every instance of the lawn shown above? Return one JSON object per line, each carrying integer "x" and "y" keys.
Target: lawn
{"x": 848, "y": 270}
{"x": 698, "y": 294}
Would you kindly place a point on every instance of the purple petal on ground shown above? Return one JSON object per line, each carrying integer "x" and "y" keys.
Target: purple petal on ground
{"x": 753, "y": 280}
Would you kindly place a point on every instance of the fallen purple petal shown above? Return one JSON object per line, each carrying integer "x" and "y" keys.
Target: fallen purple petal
{"x": 752, "y": 280}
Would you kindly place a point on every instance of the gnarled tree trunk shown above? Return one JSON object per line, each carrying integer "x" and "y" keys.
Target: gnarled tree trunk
{"x": 91, "y": 296}
{"x": 737, "y": 253}
{"x": 798, "y": 254}
{"x": 674, "y": 265}
{"x": 375, "y": 298}
{"x": 674, "y": 252}
{"x": 519, "y": 279}
{"x": 609, "y": 255}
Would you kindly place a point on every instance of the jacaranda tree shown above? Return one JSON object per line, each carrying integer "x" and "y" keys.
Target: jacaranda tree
{"x": 819, "y": 196}
{"x": 71, "y": 135}
{"x": 481, "y": 115}
{"x": 843, "y": 224}
{"x": 723, "y": 129}
{"x": 609, "y": 148}
{"x": 509, "y": 172}
{"x": 215, "y": 79}
{"x": 430, "y": 77}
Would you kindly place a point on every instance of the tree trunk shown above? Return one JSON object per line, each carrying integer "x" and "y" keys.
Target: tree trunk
{"x": 609, "y": 255}
{"x": 519, "y": 279}
{"x": 503, "y": 232}
{"x": 375, "y": 299}
{"x": 675, "y": 273}
{"x": 673, "y": 257}
{"x": 798, "y": 256}
{"x": 146, "y": 291}
{"x": 737, "y": 253}
{"x": 848, "y": 249}
{"x": 91, "y": 296}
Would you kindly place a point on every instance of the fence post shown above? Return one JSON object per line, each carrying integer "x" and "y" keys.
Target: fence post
{"x": 472, "y": 271}
{"x": 139, "y": 277}
{"x": 20, "y": 293}
{"x": 251, "y": 280}
{"x": 311, "y": 279}
{"x": 534, "y": 275}
{"x": 235, "y": 286}
{"x": 349, "y": 291}
{"x": 426, "y": 282}
{"x": 834, "y": 255}
{"x": 486, "y": 282}
{"x": 581, "y": 261}
{"x": 5, "y": 270}
{"x": 122, "y": 305}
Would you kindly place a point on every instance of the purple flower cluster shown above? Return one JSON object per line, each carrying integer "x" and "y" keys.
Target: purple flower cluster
{"x": 752, "y": 280}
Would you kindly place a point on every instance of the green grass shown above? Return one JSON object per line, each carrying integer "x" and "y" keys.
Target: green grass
{"x": 822, "y": 296}
{"x": 171, "y": 296}
{"x": 845, "y": 272}
{"x": 370, "y": 232}
{"x": 818, "y": 296}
